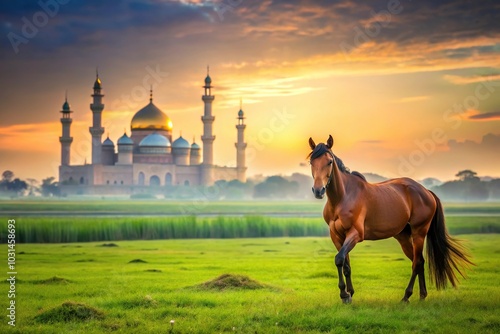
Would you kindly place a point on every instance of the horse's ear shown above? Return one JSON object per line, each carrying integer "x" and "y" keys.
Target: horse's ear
{"x": 312, "y": 144}
{"x": 329, "y": 142}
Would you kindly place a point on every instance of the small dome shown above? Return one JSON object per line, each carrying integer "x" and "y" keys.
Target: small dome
{"x": 240, "y": 113}
{"x": 195, "y": 146}
{"x": 151, "y": 118}
{"x": 108, "y": 142}
{"x": 125, "y": 140}
{"x": 208, "y": 80}
{"x": 155, "y": 140}
{"x": 97, "y": 83}
{"x": 181, "y": 143}
{"x": 66, "y": 106}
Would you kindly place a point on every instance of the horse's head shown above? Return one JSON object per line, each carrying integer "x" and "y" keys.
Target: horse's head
{"x": 321, "y": 160}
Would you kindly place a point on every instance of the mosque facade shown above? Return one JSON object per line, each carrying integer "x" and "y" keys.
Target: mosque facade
{"x": 149, "y": 158}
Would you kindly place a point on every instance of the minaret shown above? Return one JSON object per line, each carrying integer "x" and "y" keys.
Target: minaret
{"x": 66, "y": 139}
{"x": 208, "y": 138}
{"x": 241, "y": 146}
{"x": 96, "y": 130}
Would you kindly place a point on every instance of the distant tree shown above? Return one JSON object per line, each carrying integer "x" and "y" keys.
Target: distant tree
{"x": 494, "y": 188}
{"x": 276, "y": 187}
{"x": 17, "y": 186}
{"x": 7, "y": 176}
{"x": 32, "y": 186}
{"x": 10, "y": 186}
{"x": 468, "y": 188}
{"x": 466, "y": 174}
{"x": 50, "y": 187}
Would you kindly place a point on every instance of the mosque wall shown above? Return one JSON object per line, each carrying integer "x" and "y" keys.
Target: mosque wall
{"x": 76, "y": 175}
{"x": 225, "y": 173}
{"x": 117, "y": 175}
{"x": 156, "y": 175}
{"x": 188, "y": 176}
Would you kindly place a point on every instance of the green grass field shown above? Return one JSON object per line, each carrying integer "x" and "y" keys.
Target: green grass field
{"x": 300, "y": 292}
{"x": 68, "y": 282}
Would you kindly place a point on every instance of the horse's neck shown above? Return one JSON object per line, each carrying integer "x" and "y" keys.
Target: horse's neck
{"x": 336, "y": 189}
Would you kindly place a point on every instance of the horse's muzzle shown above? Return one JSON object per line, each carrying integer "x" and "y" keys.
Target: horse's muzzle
{"x": 319, "y": 193}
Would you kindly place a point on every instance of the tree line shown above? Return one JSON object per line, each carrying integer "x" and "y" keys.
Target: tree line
{"x": 467, "y": 187}
{"x": 11, "y": 186}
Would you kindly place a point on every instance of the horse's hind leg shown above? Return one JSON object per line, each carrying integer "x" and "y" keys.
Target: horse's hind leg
{"x": 418, "y": 237}
{"x": 404, "y": 239}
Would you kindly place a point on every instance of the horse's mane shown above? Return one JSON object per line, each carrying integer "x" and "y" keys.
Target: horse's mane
{"x": 321, "y": 149}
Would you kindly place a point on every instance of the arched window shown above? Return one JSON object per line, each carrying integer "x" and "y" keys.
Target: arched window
{"x": 121, "y": 182}
{"x": 141, "y": 178}
{"x": 186, "y": 183}
{"x": 82, "y": 180}
{"x": 154, "y": 181}
{"x": 168, "y": 179}
{"x": 114, "y": 182}
{"x": 107, "y": 182}
{"x": 70, "y": 179}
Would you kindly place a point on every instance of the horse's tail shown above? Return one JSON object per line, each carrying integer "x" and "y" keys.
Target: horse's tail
{"x": 445, "y": 255}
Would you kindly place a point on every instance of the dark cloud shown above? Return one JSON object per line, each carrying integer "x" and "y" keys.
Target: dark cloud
{"x": 489, "y": 116}
{"x": 300, "y": 23}
{"x": 488, "y": 144}
{"x": 89, "y": 22}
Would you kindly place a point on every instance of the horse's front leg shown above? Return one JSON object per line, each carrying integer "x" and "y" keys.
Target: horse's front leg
{"x": 347, "y": 274}
{"x": 341, "y": 259}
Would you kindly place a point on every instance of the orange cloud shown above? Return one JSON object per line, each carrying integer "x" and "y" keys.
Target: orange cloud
{"x": 462, "y": 80}
{"x": 32, "y": 137}
{"x": 412, "y": 99}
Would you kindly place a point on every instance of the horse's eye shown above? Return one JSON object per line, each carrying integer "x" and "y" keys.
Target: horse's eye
{"x": 330, "y": 162}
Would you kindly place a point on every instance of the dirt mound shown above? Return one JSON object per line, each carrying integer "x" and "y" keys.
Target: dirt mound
{"x": 137, "y": 261}
{"x": 70, "y": 311}
{"x": 111, "y": 244}
{"x": 53, "y": 280}
{"x": 153, "y": 270}
{"x": 230, "y": 281}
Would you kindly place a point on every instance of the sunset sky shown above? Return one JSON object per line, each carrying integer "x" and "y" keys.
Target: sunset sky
{"x": 408, "y": 88}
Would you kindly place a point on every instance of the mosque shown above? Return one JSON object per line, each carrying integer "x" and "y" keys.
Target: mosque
{"x": 149, "y": 158}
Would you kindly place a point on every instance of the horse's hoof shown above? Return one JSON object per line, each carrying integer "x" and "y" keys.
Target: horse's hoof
{"x": 347, "y": 300}
{"x": 405, "y": 301}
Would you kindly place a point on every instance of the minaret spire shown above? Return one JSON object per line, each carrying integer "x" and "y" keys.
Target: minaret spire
{"x": 66, "y": 138}
{"x": 97, "y": 130}
{"x": 207, "y": 172}
{"x": 241, "y": 145}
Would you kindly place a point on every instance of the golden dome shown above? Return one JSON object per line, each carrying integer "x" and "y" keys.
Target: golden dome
{"x": 151, "y": 118}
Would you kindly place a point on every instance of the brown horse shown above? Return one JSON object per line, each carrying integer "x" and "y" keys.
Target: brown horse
{"x": 401, "y": 208}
